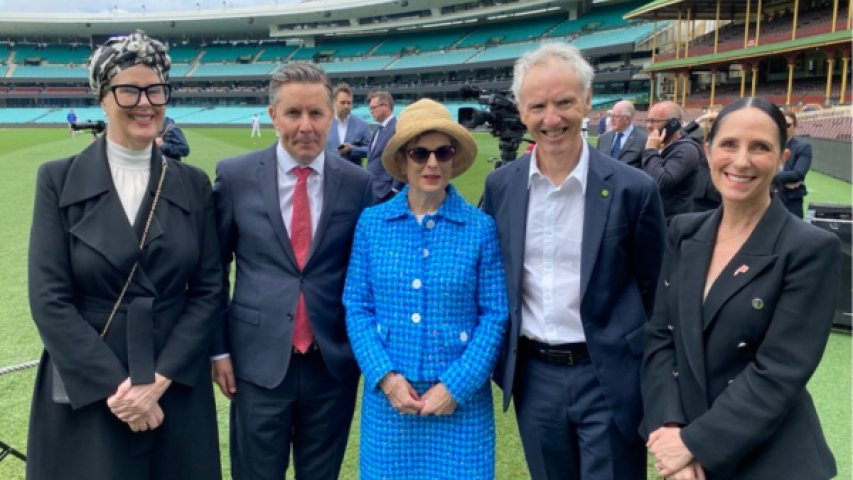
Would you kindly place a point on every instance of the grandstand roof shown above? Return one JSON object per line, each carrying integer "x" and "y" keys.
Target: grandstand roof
{"x": 836, "y": 38}
{"x": 702, "y": 10}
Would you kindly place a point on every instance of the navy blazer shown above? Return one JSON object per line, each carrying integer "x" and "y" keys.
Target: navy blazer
{"x": 623, "y": 236}
{"x": 358, "y": 135}
{"x": 794, "y": 170}
{"x": 632, "y": 148}
{"x": 256, "y": 324}
{"x": 383, "y": 182}
{"x": 733, "y": 370}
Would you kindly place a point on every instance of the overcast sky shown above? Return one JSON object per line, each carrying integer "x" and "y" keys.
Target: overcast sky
{"x": 95, "y": 6}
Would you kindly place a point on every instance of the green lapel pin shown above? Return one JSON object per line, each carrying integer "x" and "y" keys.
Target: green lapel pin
{"x": 605, "y": 193}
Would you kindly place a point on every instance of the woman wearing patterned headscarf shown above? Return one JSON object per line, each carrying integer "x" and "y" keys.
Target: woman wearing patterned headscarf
{"x": 123, "y": 279}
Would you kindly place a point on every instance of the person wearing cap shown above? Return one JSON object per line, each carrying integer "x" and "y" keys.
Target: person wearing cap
{"x": 125, "y": 323}
{"x": 426, "y": 311}
{"x": 582, "y": 240}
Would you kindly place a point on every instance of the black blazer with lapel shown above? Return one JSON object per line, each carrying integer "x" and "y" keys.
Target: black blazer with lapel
{"x": 383, "y": 182}
{"x": 256, "y": 323}
{"x": 82, "y": 249}
{"x": 622, "y": 249}
{"x": 795, "y": 170}
{"x": 734, "y": 369}
{"x": 632, "y": 148}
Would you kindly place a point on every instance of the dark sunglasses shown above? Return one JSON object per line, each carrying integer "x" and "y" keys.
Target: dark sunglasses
{"x": 442, "y": 154}
{"x": 128, "y": 96}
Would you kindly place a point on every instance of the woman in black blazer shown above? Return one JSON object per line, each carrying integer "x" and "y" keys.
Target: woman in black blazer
{"x": 742, "y": 315}
{"x": 138, "y": 401}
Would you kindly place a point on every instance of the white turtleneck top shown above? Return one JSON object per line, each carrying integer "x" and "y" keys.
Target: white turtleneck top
{"x": 130, "y": 170}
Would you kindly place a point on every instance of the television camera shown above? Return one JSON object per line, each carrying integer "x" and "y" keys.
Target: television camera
{"x": 95, "y": 128}
{"x": 501, "y": 115}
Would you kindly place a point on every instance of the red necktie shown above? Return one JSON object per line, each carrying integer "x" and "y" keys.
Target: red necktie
{"x": 300, "y": 239}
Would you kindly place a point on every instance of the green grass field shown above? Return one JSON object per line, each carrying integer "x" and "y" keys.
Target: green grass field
{"x": 22, "y": 151}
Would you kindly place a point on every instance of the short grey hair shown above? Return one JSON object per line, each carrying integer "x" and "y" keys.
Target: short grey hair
{"x": 627, "y": 109}
{"x": 300, "y": 72}
{"x": 559, "y": 51}
{"x": 383, "y": 96}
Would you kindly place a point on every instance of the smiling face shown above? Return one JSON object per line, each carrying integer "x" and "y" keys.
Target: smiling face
{"x": 553, "y": 104}
{"x": 302, "y": 116}
{"x": 745, "y": 155}
{"x": 136, "y": 127}
{"x": 432, "y": 177}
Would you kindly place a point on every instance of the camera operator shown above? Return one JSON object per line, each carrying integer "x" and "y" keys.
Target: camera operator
{"x": 671, "y": 159}
{"x": 171, "y": 140}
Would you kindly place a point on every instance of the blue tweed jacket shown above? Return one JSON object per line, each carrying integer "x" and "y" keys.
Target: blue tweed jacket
{"x": 426, "y": 300}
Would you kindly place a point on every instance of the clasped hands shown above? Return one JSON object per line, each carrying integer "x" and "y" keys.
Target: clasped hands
{"x": 673, "y": 460}
{"x": 403, "y": 397}
{"x": 136, "y": 405}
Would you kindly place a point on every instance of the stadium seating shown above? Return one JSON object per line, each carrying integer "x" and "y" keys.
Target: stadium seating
{"x": 25, "y": 51}
{"x": 60, "y": 90}
{"x": 433, "y": 59}
{"x": 521, "y": 30}
{"x": 21, "y": 115}
{"x": 504, "y": 52}
{"x": 272, "y": 52}
{"x": 3, "y": 70}
{"x": 26, "y": 71}
{"x": 89, "y": 114}
{"x": 366, "y": 65}
{"x": 232, "y": 70}
{"x": 601, "y": 18}
{"x": 228, "y": 53}
{"x": 838, "y": 128}
{"x": 340, "y": 48}
{"x": 179, "y": 70}
{"x": 183, "y": 53}
{"x": 421, "y": 41}
{"x": 613, "y": 37}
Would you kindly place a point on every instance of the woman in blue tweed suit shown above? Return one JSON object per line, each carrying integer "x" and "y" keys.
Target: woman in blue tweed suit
{"x": 426, "y": 311}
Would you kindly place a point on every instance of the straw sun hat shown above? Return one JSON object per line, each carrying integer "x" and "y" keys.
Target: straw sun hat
{"x": 428, "y": 116}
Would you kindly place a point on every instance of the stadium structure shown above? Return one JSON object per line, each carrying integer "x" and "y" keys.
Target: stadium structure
{"x": 701, "y": 53}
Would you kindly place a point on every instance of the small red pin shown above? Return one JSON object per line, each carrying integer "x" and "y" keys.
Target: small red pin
{"x": 742, "y": 269}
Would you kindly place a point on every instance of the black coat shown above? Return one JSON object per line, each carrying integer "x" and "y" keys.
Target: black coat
{"x": 734, "y": 370}
{"x": 675, "y": 170}
{"x": 81, "y": 250}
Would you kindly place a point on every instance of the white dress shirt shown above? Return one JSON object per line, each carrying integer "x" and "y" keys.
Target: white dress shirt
{"x": 342, "y": 130}
{"x": 131, "y": 170}
{"x": 287, "y": 182}
{"x": 551, "y": 283}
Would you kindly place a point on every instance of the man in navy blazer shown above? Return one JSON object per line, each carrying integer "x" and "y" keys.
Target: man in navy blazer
{"x": 382, "y": 108}
{"x": 287, "y": 216}
{"x": 789, "y": 183}
{"x": 582, "y": 240}
{"x": 347, "y": 131}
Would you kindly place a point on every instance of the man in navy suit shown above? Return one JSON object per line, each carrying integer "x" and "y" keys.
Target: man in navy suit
{"x": 582, "y": 240}
{"x": 624, "y": 143}
{"x": 287, "y": 215}
{"x": 382, "y": 108}
{"x": 789, "y": 183}
{"x": 348, "y": 132}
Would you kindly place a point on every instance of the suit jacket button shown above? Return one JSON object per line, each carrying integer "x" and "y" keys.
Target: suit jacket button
{"x": 741, "y": 345}
{"x": 731, "y": 382}
{"x": 675, "y": 373}
{"x": 670, "y": 327}
{"x": 416, "y": 317}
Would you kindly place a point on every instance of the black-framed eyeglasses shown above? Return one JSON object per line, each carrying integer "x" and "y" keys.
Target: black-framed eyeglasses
{"x": 421, "y": 155}
{"x": 128, "y": 96}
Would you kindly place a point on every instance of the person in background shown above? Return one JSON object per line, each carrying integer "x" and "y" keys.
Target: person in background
{"x": 382, "y": 109}
{"x": 171, "y": 140}
{"x": 705, "y": 197}
{"x": 582, "y": 238}
{"x": 789, "y": 183}
{"x": 256, "y": 126}
{"x": 585, "y": 127}
{"x": 743, "y": 313}
{"x": 349, "y": 135}
{"x": 602, "y": 124}
{"x": 138, "y": 401}
{"x": 72, "y": 119}
{"x": 426, "y": 311}
{"x": 624, "y": 142}
{"x": 286, "y": 216}
{"x": 672, "y": 160}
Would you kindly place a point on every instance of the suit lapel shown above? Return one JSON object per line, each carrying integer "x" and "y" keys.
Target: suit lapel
{"x": 89, "y": 180}
{"x": 596, "y": 214}
{"x": 695, "y": 257}
{"x": 754, "y": 257}
{"x": 333, "y": 139}
{"x": 267, "y": 173}
{"x": 331, "y": 187}
{"x": 518, "y": 191}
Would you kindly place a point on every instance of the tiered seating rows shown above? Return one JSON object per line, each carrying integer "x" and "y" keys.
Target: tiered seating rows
{"x": 433, "y": 59}
{"x": 26, "y": 71}
{"x": 528, "y": 28}
{"x": 422, "y": 40}
{"x": 597, "y": 19}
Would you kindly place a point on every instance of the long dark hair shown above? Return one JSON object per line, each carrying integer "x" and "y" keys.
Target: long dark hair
{"x": 759, "y": 103}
